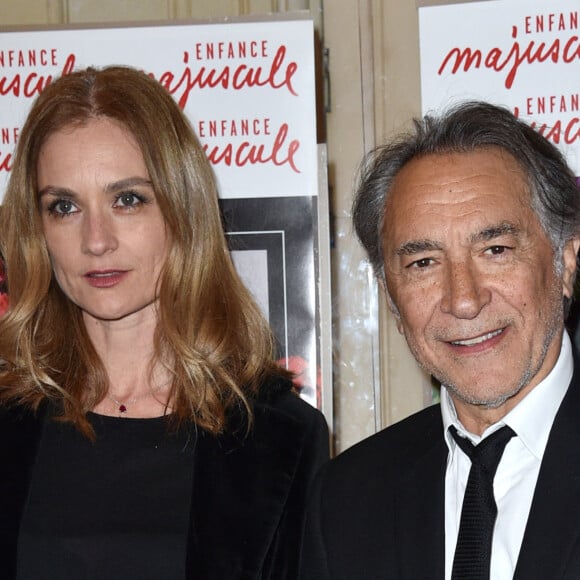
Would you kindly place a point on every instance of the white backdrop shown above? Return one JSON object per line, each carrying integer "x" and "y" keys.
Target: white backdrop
{"x": 247, "y": 87}
{"x": 521, "y": 53}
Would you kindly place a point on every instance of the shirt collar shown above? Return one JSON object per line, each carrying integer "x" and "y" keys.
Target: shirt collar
{"x": 532, "y": 417}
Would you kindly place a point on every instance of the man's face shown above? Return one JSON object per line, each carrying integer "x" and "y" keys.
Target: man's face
{"x": 470, "y": 275}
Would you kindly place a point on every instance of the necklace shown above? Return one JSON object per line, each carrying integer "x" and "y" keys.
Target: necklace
{"x": 122, "y": 406}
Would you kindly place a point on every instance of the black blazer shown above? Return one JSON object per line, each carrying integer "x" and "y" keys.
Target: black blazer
{"x": 248, "y": 495}
{"x": 377, "y": 511}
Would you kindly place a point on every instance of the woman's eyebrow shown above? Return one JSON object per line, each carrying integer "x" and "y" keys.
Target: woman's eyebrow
{"x": 126, "y": 183}
{"x": 56, "y": 191}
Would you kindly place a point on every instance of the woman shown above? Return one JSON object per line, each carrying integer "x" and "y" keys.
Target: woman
{"x": 145, "y": 429}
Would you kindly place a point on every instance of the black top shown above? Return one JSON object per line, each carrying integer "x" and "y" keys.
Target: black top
{"x": 248, "y": 491}
{"x": 116, "y": 508}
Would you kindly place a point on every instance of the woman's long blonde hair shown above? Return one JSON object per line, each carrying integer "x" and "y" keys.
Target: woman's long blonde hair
{"x": 219, "y": 346}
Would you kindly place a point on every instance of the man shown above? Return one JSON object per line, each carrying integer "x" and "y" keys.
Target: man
{"x": 472, "y": 226}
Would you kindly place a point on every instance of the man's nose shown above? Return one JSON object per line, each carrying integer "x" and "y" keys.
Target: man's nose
{"x": 465, "y": 292}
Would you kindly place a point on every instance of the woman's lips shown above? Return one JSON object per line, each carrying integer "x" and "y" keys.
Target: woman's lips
{"x": 105, "y": 278}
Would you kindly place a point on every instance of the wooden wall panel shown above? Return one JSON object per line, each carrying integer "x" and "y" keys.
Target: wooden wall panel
{"x": 23, "y": 12}
{"x": 114, "y": 11}
{"x": 395, "y": 29}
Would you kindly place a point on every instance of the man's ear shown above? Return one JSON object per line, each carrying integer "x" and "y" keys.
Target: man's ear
{"x": 569, "y": 259}
{"x": 392, "y": 306}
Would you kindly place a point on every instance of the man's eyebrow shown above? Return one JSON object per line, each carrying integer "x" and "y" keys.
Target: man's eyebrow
{"x": 489, "y": 233}
{"x": 496, "y": 231}
{"x": 416, "y": 246}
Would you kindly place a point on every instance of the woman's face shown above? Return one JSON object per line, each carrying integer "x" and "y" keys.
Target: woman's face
{"x": 103, "y": 227}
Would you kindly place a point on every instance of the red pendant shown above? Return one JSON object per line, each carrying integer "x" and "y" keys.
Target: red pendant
{"x": 122, "y": 409}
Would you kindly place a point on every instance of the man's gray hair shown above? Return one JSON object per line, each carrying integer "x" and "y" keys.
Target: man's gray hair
{"x": 467, "y": 127}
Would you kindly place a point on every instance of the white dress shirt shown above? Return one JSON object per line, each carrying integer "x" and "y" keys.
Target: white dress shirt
{"x": 518, "y": 469}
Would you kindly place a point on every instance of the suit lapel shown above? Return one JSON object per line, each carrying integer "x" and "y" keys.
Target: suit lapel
{"x": 553, "y": 525}
{"x": 240, "y": 488}
{"x": 420, "y": 508}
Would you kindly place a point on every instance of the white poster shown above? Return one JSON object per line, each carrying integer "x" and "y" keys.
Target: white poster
{"x": 524, "y": 54}
{"x": 248, "y": 89}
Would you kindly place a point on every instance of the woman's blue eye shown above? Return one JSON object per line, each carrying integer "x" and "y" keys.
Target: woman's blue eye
{"x": 62, "y": 207}
{"x": 129, "y": 199}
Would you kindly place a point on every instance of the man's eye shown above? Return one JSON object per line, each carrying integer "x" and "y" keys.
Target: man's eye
{"x": 422, "y": 263}
{"x": 496, "y": 250}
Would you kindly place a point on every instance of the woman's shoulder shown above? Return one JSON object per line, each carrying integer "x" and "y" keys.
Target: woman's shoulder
{"x": 20, "y": 429}
{"x": 285, "y": 422}
{"x": 278, "y": 394}
{"x": 20, "y": 424}
{"x": 12, "y": 413}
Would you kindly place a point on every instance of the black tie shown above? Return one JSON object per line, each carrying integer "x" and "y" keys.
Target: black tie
{"x": 479, "y": 511}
